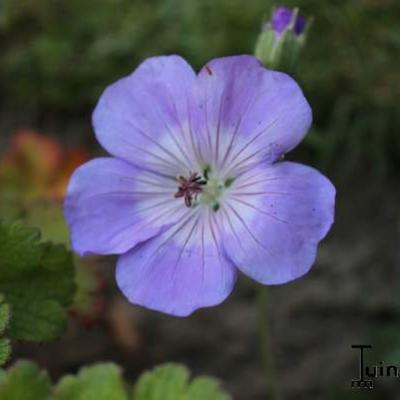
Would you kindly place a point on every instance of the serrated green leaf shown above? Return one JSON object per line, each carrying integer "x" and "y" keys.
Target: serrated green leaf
{"x": 19, "y": 248}
{"x": 206, "y": 388}
{"x": 4, "y": 314}
{"x": 24, "y": 381}
{"x": 167, "y": 382}
{"x": 36, "y": 320}
{"x": 37, "y": 280}
{"x": 171, "y": 382}
{"x": 98, "y": 382}
{"x": 5, "y": 350}
{"x": 5, "y": 347}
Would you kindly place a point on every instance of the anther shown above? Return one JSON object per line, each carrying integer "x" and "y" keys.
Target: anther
{"x": 190, "y": 188}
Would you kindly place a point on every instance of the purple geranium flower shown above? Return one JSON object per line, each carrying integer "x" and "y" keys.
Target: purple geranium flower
{"x": 196, "y": 189}
{"x": 281, "y": 19}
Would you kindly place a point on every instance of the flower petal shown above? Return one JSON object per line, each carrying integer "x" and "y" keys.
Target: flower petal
{"x": 111, "y": 206}
{"x": 140, "y": 118}
{"x": 179, "y": 271}
{"x": 245, "y": 113}
{"x": 275, "y": 218}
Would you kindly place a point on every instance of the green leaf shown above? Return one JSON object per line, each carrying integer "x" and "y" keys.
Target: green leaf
{"x": 4, "y": 314}
{"x": 206, "y": 388}
{"x": 171, "y": 382}
{"x": 103, "y": 381}
{"x": 167, "y": 382}
{"x": 49, "y": 217}
{"x": 19, "y": 248}
{"x": 37, "y": 320}
{"x": 37, "y": 280}
{"x": 88, "y": 286}
{"x": 98, "y": 382}
{"x": 24, "y": 381}
{"x": 5, "y": 350}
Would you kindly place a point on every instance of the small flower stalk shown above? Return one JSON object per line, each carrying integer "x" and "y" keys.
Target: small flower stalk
{"x": 282, "y": 39}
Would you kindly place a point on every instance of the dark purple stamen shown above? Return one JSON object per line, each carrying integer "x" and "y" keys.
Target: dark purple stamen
{"x": 189, "y": 188}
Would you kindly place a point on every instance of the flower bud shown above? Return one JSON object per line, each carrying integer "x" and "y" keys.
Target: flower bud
{"x": 282, "y": 39}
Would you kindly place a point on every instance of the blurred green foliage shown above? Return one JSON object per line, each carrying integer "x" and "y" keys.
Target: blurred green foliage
{"x": 57, "y": 52}
{"x": 350, "y": 74}
{"x": 59, "y": 55}
{"x": 103, "y": 381}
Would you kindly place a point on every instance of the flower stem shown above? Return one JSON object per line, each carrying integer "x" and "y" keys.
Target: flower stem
{"x": 267, "y": 354}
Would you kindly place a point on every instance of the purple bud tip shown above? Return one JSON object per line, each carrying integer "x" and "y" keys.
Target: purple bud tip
{"x": 282, "y": 17}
